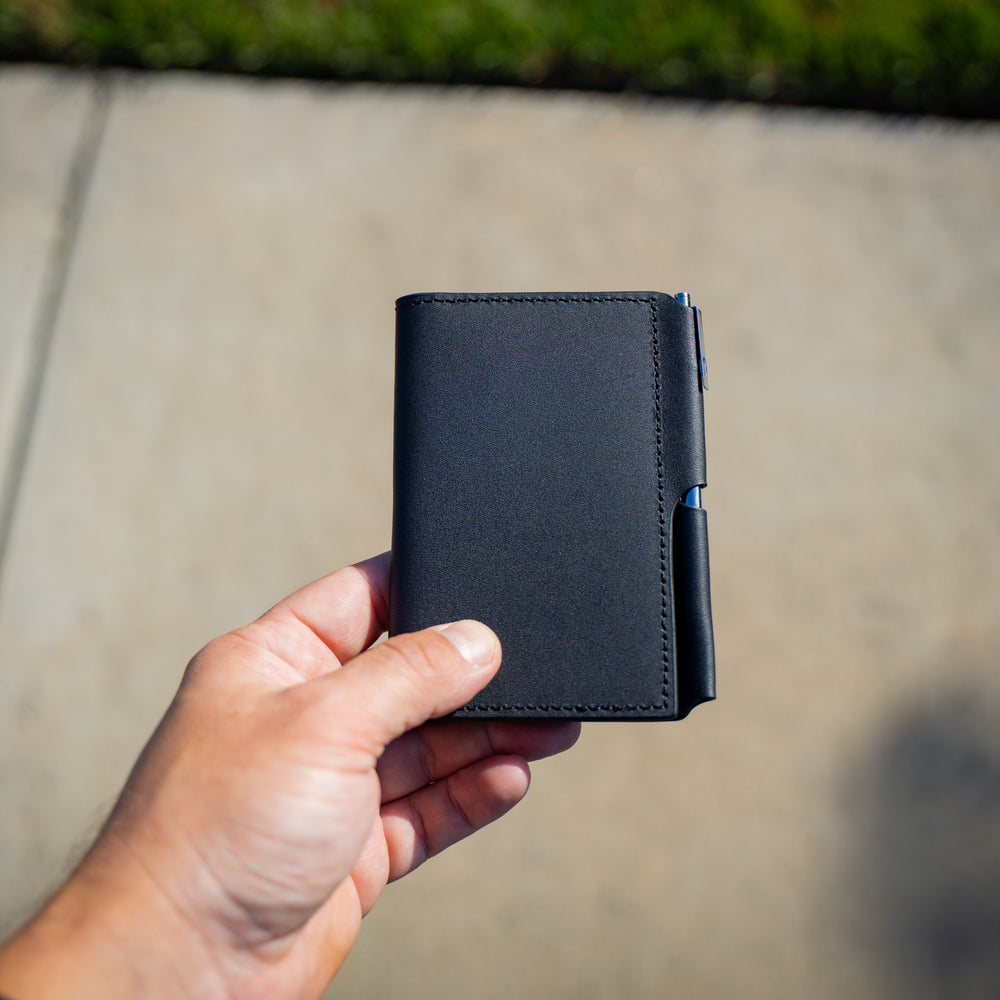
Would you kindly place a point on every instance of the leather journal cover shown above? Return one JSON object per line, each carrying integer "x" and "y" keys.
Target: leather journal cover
{"x": 544, "y": 447}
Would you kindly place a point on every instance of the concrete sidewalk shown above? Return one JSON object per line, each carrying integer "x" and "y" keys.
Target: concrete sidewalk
{"x": 197, "y": 280}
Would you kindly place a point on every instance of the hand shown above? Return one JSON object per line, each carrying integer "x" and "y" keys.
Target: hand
{"x": 293, "y": 776}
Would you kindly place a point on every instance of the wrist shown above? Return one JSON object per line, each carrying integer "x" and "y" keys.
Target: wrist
{"x": 108, "y": 934}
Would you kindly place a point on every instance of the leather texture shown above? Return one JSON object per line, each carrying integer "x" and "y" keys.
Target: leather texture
{"x": 542, "y": 443}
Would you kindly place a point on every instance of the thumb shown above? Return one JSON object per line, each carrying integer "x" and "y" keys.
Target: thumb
{"x": 408, "y": 679}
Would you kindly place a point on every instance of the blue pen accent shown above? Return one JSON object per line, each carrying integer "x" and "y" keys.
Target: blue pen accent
{"x": 699, "y": 339}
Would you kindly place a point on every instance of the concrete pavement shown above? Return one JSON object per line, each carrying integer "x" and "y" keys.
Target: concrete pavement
{"x": 197, "y": 279}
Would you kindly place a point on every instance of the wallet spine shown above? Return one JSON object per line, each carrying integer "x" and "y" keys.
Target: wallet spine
{"x": 681, "y": 404}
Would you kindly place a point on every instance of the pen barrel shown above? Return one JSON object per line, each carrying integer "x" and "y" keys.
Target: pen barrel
{"x": 695, "y": 645}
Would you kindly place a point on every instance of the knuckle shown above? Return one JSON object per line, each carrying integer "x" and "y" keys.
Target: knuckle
{"x": 459, "y": 810}
{"x": 427, "y": 757}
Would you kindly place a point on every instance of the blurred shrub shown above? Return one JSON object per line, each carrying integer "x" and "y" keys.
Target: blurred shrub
{"x": 938, "y": 56}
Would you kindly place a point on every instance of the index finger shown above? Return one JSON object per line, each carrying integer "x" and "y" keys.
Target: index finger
{"x": 347, "y": 610}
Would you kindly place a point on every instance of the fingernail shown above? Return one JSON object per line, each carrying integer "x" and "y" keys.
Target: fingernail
{"x": 473, "y": 640}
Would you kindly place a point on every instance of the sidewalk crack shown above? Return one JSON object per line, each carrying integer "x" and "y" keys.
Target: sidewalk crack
{"x": 77, "y": 189}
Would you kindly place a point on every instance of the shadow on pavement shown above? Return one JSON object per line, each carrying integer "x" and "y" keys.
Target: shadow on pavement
{"x": 930, "y": 847}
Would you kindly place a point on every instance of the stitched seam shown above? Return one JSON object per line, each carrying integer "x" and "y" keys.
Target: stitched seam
{"x": 664, "y": 593}
{"x": 661, "y": 506}
{"x": 468, "y": 299}
{"x": 558, "y": 708}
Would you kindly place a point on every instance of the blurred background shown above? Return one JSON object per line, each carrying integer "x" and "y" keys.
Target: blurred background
{"x": 938, "y": 56}
{"x": 197, "y": 275}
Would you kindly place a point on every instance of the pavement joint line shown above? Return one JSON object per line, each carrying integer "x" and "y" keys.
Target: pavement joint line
{"x": 78, "y": 183}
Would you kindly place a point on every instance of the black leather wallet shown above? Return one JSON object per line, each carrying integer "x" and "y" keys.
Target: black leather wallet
{"x": 545, "y": 445}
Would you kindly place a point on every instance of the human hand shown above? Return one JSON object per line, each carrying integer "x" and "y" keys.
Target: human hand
{"x": 294, "y": 775}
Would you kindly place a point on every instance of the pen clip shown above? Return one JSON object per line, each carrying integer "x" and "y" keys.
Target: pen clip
{"x": 699, "y": 339}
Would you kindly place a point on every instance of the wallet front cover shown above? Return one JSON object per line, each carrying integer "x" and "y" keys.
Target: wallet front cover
{"x": 543, "y": 447}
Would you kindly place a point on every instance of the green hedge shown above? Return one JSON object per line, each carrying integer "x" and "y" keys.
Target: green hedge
{"x": 938, "y": 56}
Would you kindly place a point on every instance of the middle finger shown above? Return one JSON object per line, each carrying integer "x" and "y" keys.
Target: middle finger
{"x": 437, "y": 749}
